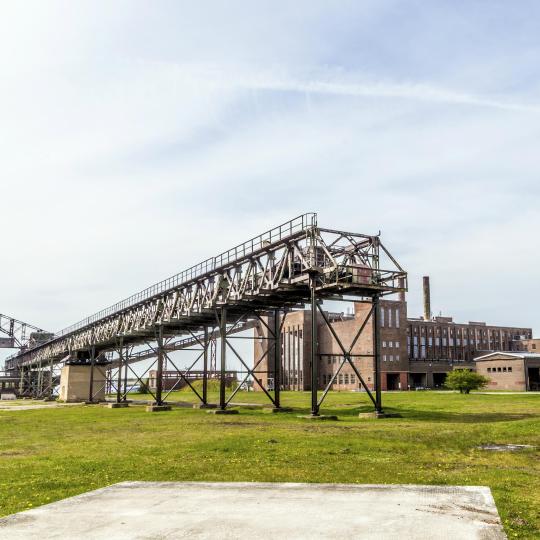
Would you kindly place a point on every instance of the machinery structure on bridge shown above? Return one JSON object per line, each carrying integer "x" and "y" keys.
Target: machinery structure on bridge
{"x": 205, "y": 307}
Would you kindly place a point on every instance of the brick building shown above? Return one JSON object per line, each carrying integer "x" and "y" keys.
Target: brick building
{"x": 518, "y": 371}
{"x": 415, "y": 352}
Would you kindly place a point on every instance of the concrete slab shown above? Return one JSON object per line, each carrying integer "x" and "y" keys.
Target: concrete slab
{"x": 169, "y": 510}
{"x": 318, "y": 417}
{"x": 223, "y": 411}
{"x": 158, "y": 408}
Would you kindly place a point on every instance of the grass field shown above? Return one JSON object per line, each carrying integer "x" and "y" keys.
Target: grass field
{"x": 46, "y": 455}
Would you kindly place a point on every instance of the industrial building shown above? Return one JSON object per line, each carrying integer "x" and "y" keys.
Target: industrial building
{"x": 414, "y": 352}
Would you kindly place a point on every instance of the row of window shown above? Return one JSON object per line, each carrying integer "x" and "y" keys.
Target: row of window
{"x": 389, "y": 317}
{"x": 500, "y": 369}
{"x": 390, "y": 357}
{"x": 342, "y": 378}
{"x": 391, "y": 344}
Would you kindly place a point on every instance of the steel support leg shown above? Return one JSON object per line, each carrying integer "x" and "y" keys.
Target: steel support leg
{"x": 377, "y": 353}
{"x": 125, "y": 388}
{"x": 223, "y": 336}
{"x": 159, "y": 373}
{"x": 205, "y": 368}
{"x": 314, "y": 350}
{"x": 92, "y": 362}
{"x": 277, "y": 358}
{"x": 119, "y": 375}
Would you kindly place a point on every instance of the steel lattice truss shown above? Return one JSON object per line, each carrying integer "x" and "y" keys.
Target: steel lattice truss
{"x": 275, "y": 270}
{"x": 15, "y": 333}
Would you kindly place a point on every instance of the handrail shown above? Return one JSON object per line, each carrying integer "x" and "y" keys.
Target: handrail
{"x": 298, "y": 224}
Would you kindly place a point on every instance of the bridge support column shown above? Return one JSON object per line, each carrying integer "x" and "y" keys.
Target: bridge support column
{"x": 205, "y": 368}
{"x": 277, "y": 359}
{"x": 223, "y": 373}
{"x": 314, "y": 351}
{"x": 119, "y": 374}
{"x": 125, "y": 386}
{"x": 159, "y": 373}
{"x": 377, "y": 353}
{"x": 91, "y": 385}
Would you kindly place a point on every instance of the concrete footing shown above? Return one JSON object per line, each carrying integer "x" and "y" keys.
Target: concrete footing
{"x": 205, "y": 406}
{"x": 223, "y": 411}
{"x": 318, "y": 417}
{"x": 158, "y": 408}
{"x": 121, "y": 405}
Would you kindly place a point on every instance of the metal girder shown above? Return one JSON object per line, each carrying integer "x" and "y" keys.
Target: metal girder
{"x": 276, "y": 270}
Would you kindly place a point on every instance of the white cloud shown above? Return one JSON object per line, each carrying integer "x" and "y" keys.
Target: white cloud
{"x": 135, "y": 142}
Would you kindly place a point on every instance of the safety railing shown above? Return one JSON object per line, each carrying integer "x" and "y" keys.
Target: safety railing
{"x": 287, "y": 229}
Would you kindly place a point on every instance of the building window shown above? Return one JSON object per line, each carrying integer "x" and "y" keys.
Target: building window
{"x": 397, "y": 317}
{"x": 381, "y": 311}
{"x": 340, "y": 378}
{"x": 391, "y": 358}
{"x": 499, "y": 370}
{"x": 397, "y": 357}
{"x": 504, "y": 369}
{"x": 352, "y": 378}
{"x": 533, "y": 346}
{"x": 346, "y": 377}
{"x": 510, "y": 368}
{"x": 384, "y": 358}
{"x": 489, "y": 370}
{"x": 396, "y": 344}
{"x": 384, "y": 343}
{"x": 390, "y": 344}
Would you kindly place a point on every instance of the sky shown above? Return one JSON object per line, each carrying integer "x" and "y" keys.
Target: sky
{"x": 139, "y": 137}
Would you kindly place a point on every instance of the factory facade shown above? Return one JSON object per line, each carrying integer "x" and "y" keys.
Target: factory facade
{"x": 414, "y": 352}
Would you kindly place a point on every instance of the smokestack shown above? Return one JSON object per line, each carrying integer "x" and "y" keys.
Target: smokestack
{"x": 427, "y": 299}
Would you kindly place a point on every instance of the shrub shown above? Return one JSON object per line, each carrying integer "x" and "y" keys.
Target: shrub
{"x": 465, "y": 380}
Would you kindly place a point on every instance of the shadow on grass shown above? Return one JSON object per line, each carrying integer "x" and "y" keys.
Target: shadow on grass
{"x": 434, "y": 415}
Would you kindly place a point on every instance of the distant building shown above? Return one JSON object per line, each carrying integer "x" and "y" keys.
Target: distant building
{"x": 415, "y": 352}
{"x": 510, "y": 371}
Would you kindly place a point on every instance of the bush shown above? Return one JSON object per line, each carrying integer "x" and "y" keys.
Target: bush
{"x": 465, "y": 381}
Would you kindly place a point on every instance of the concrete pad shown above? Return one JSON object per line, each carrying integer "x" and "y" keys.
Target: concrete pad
{"x": 276, "y": 410}
{"x": 319, "y": 417}
{"x": 168, "y": 510}
{"x": 205, "y": 406}
{"x": 158, "y": 408}
{"x": 223, "y": 411}
{"x": 375, "y": 414}
{"x": 121, "y": 405}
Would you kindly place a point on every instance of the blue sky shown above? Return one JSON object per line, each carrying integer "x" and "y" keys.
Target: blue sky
{"x": 137, "y": 138}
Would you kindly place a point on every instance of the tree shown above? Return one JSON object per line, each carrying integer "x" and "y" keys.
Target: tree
{"x": 465, "y": 380}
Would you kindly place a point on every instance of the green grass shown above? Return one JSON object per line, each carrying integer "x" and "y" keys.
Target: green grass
{"x": 46, "y": 455}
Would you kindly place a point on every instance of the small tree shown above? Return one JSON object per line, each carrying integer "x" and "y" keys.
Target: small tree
{"x": 465, "y": 380}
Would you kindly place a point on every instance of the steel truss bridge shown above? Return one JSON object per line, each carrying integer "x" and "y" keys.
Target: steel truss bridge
{"x": 205, "y": 307}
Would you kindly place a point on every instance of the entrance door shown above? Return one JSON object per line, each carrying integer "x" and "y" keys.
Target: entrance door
{"x": 534, "y": 379}
{"x": 438, "y": 379}
{"x": 392, "y": 381}
{"x": 418, "y": 380}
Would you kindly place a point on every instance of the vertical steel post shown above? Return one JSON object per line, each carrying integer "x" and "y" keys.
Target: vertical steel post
{"x": 277, "y": 359}
{"x": 223, "y": 335}
{"x": 159, "y": 373}
{"x": 124, "y": 393}
{"x": 119, "y": 378}
{"x": 377, "y": 353}
{"x": 205, "y": 368}
{"x": 92, "y": 362}
{"x": 314, "y": 347}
